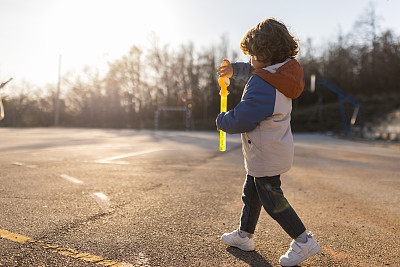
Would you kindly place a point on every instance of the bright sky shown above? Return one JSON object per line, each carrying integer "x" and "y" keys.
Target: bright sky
{"x": 92, "y": 32}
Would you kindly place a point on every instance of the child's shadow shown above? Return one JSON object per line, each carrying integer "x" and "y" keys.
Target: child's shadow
{"x": 252, "y": 258}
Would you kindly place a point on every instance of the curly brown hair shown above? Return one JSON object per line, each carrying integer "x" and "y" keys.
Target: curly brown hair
{"x": 270, "y": 41}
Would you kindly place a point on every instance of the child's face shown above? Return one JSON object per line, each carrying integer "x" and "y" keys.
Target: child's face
{"x": 257, "y": 64}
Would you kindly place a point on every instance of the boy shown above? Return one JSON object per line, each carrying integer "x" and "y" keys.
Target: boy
{"x": 263, "y": 119}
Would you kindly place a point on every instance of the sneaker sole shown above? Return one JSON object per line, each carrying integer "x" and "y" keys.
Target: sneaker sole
{"x": 233, "y": 245}
{"x": 314, "y": 251}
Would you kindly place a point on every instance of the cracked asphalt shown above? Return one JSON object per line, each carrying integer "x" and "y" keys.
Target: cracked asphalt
{"x": 90, "y": 197}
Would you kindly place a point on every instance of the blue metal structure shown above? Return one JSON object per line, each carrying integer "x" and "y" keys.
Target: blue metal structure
{"x": 342, "y": 96}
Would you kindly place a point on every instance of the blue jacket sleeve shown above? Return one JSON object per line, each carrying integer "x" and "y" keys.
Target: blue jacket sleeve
{"x": 258, "y": 102}
{"x": 242, "y": 71}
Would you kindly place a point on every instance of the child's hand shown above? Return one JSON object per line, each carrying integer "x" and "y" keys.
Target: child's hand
{"x": 225, "y": 70}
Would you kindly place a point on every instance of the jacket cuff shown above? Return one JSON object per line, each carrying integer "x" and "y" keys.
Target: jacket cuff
{"x": 219, "y": 120}
{"x": 242, "y": 70}
{"x": 235, "y": 70}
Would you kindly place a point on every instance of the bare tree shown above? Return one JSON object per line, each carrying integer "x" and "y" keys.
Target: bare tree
{"x": 367, "y": 24}
{"x": 124, "y": 82}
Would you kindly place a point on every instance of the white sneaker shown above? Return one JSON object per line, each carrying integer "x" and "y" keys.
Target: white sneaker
{"x": 298, "y": 252}
{"x": 235, "y": 240}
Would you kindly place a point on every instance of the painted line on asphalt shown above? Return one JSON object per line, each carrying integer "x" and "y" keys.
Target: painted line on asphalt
{"x": 353, "y": 148}
{"x": 102, "y": 200}
{"x": 60, "y": 250}
{"x": 111, "y": 159}
{"x": 71, "y": 179}
{"x": 24, "y": 165}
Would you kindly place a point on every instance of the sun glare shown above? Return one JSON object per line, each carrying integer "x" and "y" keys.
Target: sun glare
{"x": 88, "y": 33}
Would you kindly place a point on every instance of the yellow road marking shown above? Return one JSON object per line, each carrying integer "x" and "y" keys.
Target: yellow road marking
{"x": 60, "y": 250}
{"x": 14, "y": 237}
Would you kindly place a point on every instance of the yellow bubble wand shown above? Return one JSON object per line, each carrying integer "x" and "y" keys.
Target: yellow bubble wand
{"x": 223, "y": 83}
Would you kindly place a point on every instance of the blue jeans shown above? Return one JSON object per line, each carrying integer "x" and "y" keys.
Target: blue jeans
{"x": 267, "y": 192}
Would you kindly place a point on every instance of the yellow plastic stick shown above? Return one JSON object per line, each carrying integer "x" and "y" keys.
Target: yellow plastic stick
{"x": 223, "y": 83}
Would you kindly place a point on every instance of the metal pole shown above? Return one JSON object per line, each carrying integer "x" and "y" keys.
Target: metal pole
{"x": 57, "y": 100}
{"x": 1, "y": 102}
{"x": 343, "y": 115}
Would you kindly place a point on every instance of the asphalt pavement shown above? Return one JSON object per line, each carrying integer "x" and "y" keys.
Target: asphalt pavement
{"x": 92, "y": 197}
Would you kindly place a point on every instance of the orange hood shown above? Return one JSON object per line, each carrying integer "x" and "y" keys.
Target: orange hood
{"x": 288, "y": 78}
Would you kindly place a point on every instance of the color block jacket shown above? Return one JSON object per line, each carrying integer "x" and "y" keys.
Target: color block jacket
{"x": 263, "y": 116}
